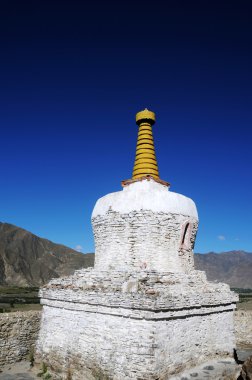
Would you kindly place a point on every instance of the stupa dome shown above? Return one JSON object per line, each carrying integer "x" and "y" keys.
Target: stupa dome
{"x": 146, "y": 195}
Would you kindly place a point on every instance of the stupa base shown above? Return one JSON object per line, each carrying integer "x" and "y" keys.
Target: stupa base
{"x": 142, "y": 325}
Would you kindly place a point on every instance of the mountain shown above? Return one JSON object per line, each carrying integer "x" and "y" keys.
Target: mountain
{"x": 27, "y": 260}
{"x": 233, "y": 267}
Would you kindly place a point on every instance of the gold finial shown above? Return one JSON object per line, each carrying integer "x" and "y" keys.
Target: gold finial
{"x": 145, "y": 162}
{"x": 145, "y": 115}
{"x": 145, "y": 167}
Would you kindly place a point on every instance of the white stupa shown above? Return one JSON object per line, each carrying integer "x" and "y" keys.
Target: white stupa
{"x": 143, "y": 312}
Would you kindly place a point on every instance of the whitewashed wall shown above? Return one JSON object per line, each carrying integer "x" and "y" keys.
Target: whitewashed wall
{"x": 142, "y": 240}
{"x": 138, "y": 325}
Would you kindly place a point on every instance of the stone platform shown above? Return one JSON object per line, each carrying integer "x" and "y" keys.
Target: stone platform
{"x": 140, "y": 325}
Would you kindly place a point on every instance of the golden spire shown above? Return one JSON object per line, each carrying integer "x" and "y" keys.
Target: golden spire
{"x": 145, "y": 161}
{"x": 145, "y": 166}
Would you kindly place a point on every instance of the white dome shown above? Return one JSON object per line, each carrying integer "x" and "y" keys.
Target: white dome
{"x": 145, "y": 195}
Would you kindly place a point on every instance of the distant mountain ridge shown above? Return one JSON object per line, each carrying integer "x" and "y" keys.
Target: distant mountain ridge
{"x": 233, "y": 267}
{"x": 28, "y": 260}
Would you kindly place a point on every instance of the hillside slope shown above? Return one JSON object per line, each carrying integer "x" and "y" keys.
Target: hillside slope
{"x": 27, "y": 260}
{"x": 234, "y": 267}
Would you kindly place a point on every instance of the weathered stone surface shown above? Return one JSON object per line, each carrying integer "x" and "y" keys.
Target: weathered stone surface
{"x": 112, "y": 322}
{"x": 18, "y": 334}
{"x": 243, "y": 328}
{"x": 144, "y": 240}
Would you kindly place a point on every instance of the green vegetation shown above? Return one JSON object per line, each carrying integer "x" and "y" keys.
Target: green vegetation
{"x": 245, "y": 298}
{"x": 47, "y": 376}
{"x": 18, "y": 290}
{"x": 31, "y": 357}
{"x": 44, "y": 368}
{"x": 14, "y": 298}
{"x": 245, "y": 295}
{"x": 44, "y": 372}
{"x": 242, "y": 291}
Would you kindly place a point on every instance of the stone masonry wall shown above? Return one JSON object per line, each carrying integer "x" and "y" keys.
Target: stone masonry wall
{"x": 143, "y": 240}
{"x": 129, "y": 325}
{"x": 243, "y": 328}
{"x": 18, "y": 334}
{"x": 88, "y": 344}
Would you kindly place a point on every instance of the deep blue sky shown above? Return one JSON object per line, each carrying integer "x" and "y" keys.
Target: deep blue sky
{"x": 72, "y": 76}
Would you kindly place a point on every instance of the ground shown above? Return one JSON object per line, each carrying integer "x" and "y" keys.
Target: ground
{"x": 18, "y": 371}
{"x": 223, "y": 369}
{"x": 208, "y": 371}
